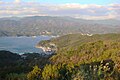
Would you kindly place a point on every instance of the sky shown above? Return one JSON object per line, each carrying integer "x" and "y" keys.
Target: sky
{"x": 85, "y": 9}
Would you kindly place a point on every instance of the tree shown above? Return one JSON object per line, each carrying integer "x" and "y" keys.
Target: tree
{"x": 34, "y": 74}
{"x": 50, "y": 72}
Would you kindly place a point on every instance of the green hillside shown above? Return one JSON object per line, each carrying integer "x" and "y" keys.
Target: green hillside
{"x": 75, "y": 40}
{"x": 78, "y": 57}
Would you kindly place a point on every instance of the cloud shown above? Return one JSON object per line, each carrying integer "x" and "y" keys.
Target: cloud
{"x": 91, "y": 11}
{"x": 17, "y": 1}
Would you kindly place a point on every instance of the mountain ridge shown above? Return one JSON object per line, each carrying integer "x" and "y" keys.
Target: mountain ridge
{"x": 35, "y": 25}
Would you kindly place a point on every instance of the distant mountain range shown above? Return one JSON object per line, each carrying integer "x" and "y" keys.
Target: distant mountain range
{"x": 47, "y": 25}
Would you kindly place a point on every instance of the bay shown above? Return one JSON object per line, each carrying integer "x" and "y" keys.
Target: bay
{"x": 22, "y": 44}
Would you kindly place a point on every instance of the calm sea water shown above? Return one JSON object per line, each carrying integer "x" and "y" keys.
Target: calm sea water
{"x": 21, "y": 44}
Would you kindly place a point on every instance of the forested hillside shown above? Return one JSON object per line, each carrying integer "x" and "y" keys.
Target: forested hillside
{"x": 14, "y": 66}
{"x": 85, "y": 57}
{"x": 79, "y": 57}
{"x": 75, "y": 40}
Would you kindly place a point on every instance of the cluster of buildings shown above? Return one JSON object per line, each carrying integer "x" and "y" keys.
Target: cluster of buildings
{"x": 49, "y": 49}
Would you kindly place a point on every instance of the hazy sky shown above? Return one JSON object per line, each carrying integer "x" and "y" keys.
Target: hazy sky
{"x": 87, "y": 9}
